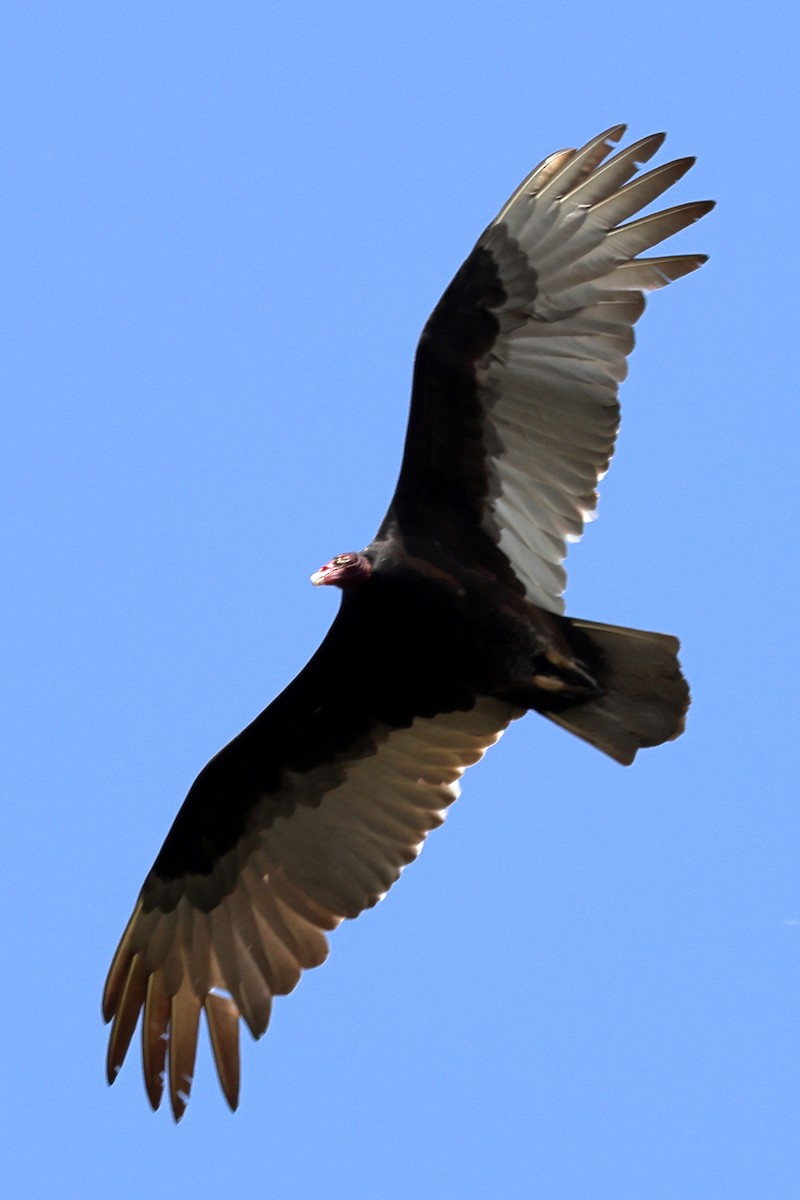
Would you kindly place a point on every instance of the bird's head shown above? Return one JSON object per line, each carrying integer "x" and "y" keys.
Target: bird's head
{"x": 345, "y": 571}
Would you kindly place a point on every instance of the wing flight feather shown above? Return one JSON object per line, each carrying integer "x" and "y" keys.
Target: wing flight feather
{"x": 332, "y": 853}
{"x": 527, "y": 348}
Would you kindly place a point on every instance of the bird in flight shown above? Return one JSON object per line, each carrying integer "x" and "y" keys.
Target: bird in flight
{"x": 451, "y": 624}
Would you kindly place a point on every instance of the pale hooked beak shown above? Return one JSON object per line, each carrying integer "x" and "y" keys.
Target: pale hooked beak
{"x": 317, "y": 578}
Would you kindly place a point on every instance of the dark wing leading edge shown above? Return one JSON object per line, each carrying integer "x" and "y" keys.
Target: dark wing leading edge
{"x": 291, "y": 828}
{"x": 514, "y": 412}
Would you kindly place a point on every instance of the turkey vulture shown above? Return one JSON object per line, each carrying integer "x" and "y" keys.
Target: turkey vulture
{"x": 311, "y": 813}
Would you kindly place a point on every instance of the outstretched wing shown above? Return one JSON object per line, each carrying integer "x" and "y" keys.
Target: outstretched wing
{"x": 514, "y": 410}
{"x": 291, "y": 828}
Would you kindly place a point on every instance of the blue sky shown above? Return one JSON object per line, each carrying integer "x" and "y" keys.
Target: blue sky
{"x": 223, "y": 226}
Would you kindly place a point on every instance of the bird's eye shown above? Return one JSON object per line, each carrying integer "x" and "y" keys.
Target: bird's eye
{"x": 342, "y": 560}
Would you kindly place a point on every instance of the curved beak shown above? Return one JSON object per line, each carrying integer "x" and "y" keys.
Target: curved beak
{"x": 317, "y": 578}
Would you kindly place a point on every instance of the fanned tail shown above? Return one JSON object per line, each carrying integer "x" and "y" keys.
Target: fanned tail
{"x": 644, "y": 694}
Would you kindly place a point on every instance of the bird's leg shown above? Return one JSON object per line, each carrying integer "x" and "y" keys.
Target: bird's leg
{"x": 556, "y": 680}
{"x": 572, "y": 676}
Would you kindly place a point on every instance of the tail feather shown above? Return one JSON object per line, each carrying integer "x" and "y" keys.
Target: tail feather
{"x": 644, "y": 695}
